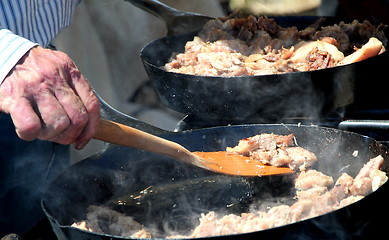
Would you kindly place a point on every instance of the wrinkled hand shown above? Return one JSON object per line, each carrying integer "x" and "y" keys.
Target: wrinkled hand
{"x": 49, "y": 99}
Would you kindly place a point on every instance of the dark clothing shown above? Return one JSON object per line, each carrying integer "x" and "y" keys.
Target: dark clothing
{"x": 25, "y": 170}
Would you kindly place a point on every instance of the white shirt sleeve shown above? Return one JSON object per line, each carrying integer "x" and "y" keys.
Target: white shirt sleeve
{"x": 12, "y": 49}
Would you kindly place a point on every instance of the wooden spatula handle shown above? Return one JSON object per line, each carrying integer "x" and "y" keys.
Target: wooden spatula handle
{"x": 226, "y": 163}
{"x": 120, "y": 134}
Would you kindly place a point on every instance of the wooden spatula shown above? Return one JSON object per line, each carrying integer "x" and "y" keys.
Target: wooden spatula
{"x": 221, "y": 162}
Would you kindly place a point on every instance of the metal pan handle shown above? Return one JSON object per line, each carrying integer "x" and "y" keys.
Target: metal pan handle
{"x": 157, "y": 8}
{"x": 377, "y": 129}
{"x": 109, "y": 113}
{"x": 364, "y": 125}
{"x": 177, "y": 22}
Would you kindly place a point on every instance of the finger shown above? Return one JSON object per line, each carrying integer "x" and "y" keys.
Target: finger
{"x": 91, "y": 103}
{"x": 27, "y": 122}
{"x": 75, "y": 111}
{"x": 53, "y": 117}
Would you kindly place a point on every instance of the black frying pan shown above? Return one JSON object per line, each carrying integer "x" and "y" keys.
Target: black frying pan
{"x": 302, "y": 94}
{"x": 119, "y": 171}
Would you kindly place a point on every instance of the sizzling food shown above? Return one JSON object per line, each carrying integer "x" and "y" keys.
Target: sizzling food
{"x": 275, "y": 150}
{"x": 320, "y": 197}
{"x": 236, "y": 46}
{"x": 315, "y": 192}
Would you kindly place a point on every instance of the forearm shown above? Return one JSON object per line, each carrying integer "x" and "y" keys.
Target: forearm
{"x": 12, "y": 49}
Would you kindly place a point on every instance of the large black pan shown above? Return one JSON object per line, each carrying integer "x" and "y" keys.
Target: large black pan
{"x": 182, "y": 192}
{"x": 302, "y": 94}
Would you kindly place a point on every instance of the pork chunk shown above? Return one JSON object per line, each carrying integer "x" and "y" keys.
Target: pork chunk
{"x": 275, "y": 150}
{"x": 264, "y": 142}
{"x": 373, "y": 164}
{"x": 301, "y": 158}
{"x": 372, "y": 48}
{"x": 312, "y": 178}
{"x": 104, "y": 220}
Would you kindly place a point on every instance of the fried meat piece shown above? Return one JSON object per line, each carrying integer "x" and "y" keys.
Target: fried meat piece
{"x": 374, "y": 164}
{"x": 312, "y": 207}
{"x": 335, "y": 32}
{"x": 312, "y": 178}
{"x": 212, "y": 225}
{"x": 277, "y": 157}
{"x": 315, "y": 51}
{"x": 349, "y": 200}
{"x": 318, "y": 59}
{"x": 361, "y": 186}
{"x": 275, "y": 150}
{"x": 372, "y": 48}
{"x": 103, "y": 220}
{"x": 378, "y": 178}
{"x": 311, "y": 192}
{"x": 301, "y": 158}
{"x": 264, "y": 142}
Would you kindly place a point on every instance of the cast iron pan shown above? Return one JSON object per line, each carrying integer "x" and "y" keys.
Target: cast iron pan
{"x": 301, "y": 94}
{"x": 181, "y": 192}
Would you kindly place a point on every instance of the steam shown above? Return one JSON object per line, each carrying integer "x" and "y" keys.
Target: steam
{"x": 27, "y": 169}
{"x": 168, "y": 197}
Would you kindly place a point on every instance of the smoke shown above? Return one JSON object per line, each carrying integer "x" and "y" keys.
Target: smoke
{"x": 168, "y": 197}
{"x": 26, "y": 169}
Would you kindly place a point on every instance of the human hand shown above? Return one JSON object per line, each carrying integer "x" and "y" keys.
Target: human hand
{"x": 49, "y": 99}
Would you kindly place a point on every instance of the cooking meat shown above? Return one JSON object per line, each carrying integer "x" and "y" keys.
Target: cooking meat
{"x": 316, "y": 195}
{"x": 303, "y": 49}
{"x": 349, "y": 200}
{"x": 301, "y": 158}
{"x": 345, "y": 180}
{"x": 311, "y": 207}
{"x": 275, "y": 150}
{"x": 378, "y": 179}
{"x": 263, "y": 141}
{"x": 373, "y": 165}
{"x": 343, "y": 185}
{"x": 361, "y": 186}
{"x": 311, "y": 192}
{"x": 311, "y": 179}
{"x": 360, "y": 32}
{"x": 239, "y": 46}
{"x": 103, "y": 220}
{"x": 316, "y": 199}
{"x": 277, "y": 157}
{"x": 342, "y": 41}
{"x": 212, "y": 225}
{"x": 372, "y": 48}
{"x": 222, "y": 58}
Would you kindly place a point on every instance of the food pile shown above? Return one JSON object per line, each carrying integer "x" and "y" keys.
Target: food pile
{"x": 275, "y": 150}
{"x": 315, "y": 192}
{"x": 246, "y": 46}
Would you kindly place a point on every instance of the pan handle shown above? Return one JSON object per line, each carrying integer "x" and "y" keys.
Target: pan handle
{"x": 156, "y": 8}
{"x": 364, "y": 125}
{"x": 109, "y": 113}
{"x": 177, "y": 22}
{"x": 377, "y": 129}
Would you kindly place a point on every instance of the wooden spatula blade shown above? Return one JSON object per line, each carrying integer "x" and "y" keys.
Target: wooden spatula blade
{"x": 234, "y": 164}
